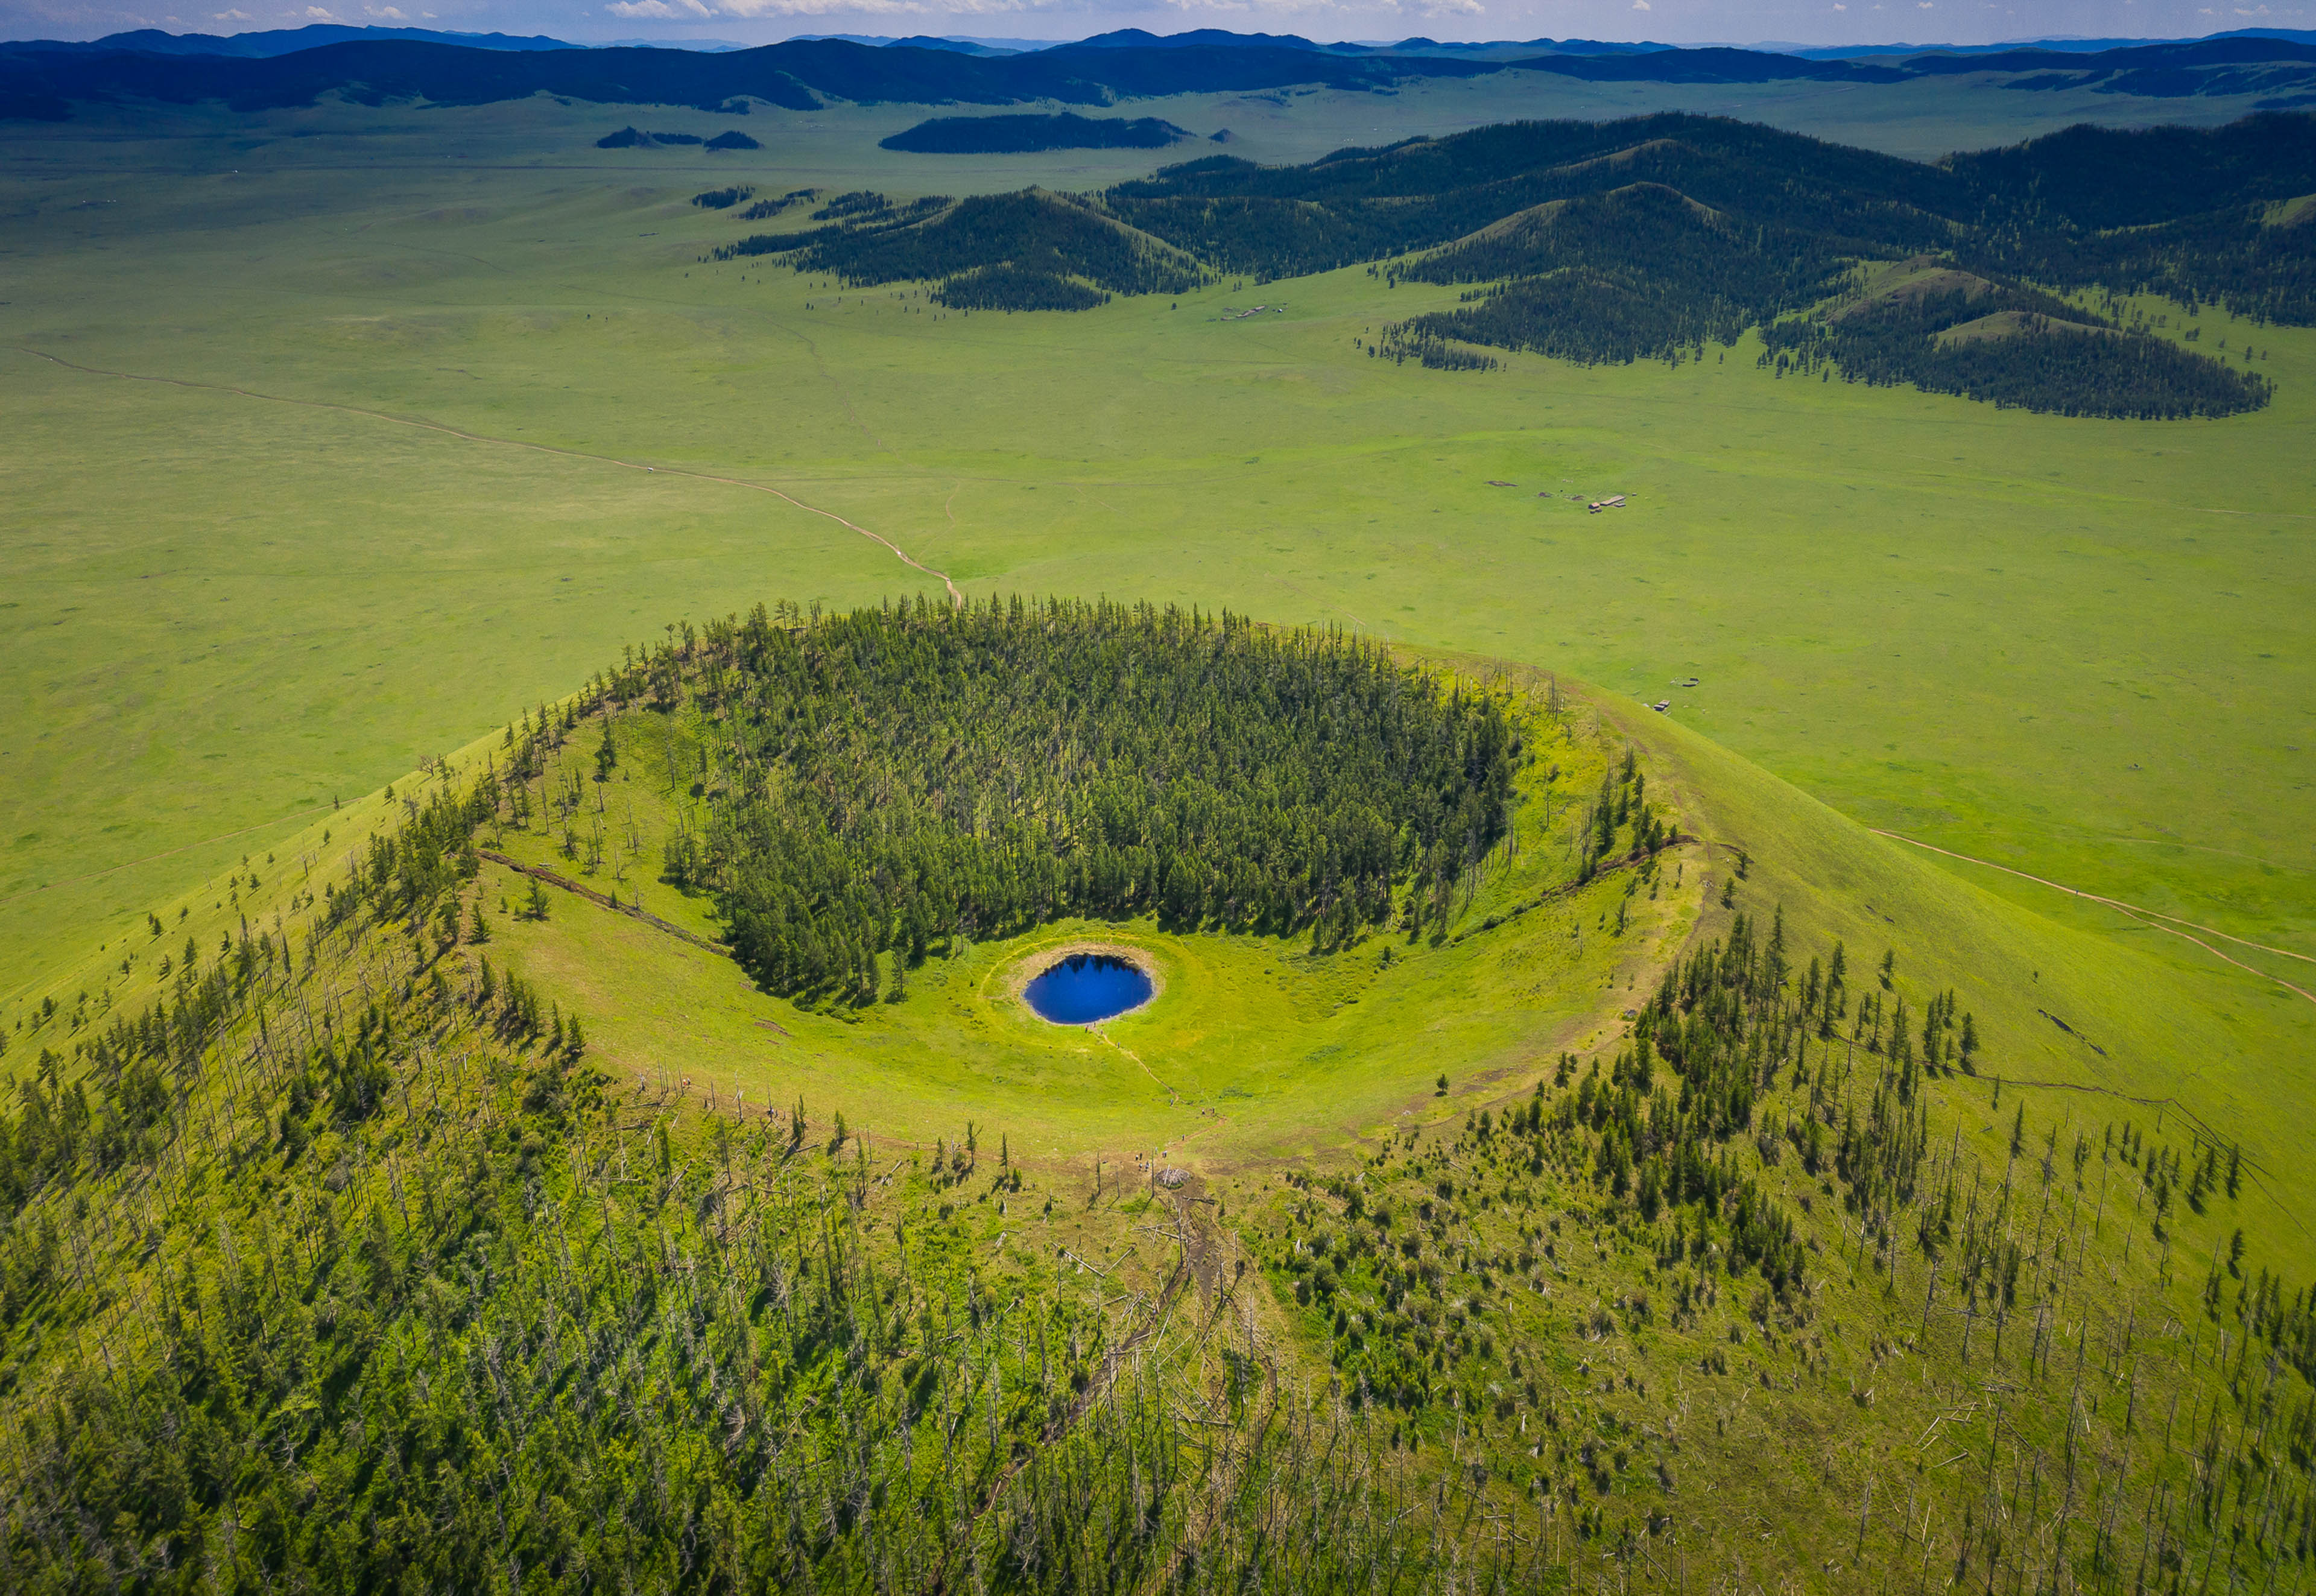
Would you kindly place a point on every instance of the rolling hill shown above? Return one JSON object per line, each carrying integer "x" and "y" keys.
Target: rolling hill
{"x": 1637, "y": 1190}
{"x": 1655, "y": 237}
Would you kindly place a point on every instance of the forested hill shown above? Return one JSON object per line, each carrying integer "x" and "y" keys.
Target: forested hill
{"x": 1014, "y": 134}
{"x": 1370, "y": 204}
{"x": 1653, "y": 236}
{"x": 2032, "y": 201}
{"x": 1026, "y": 250}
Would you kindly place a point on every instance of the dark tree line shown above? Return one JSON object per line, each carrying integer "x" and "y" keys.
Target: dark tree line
{"x": 1419, "y": 341}
{"x": 862, "y": 204}
{"x": 1017, "y": 135}
{"x": 1025, "y": 251}
{"x": 2015, "y": 348}
{"x": 883, "y": 781}
{"x": 764, "y": 210}
{"x": 1008, "y": 287}
{"x": 2262, "y": 267}
{"x": 2104, "y": 179}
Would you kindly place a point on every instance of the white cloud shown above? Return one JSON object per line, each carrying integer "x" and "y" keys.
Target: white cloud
{"x": 1640, "y": 4}
{"x": 1423, "y": 8}
{"x": 390, "y": 13}
{"x": 883, "y": 8}
{"x": 317, "y": 14}
{"x": 234, "y": 17}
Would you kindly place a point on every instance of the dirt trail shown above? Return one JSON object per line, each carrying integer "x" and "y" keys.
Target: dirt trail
{"x": 634, "y": 910}
{"x": 2153, "y": 919}
{"x": 899, "y": 553}
{"x": 1096, "y": 1031}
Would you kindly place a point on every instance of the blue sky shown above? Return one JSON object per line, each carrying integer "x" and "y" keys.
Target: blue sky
{"x": 763, "y": 21}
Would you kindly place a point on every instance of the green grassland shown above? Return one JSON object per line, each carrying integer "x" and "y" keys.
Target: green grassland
{"x": 441, "y": 430}
{"x": 2064, "y": 646}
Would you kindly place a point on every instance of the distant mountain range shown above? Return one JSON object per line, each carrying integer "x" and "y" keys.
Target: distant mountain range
{"x": 282, "y": 42}
{"x": 42, "y": 79}
{"x": 1852, "y": 52}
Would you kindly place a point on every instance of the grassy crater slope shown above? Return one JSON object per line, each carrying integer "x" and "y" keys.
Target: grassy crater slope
{"x": 1706, "y": 1187}
{"x": 1284, "y": 1039}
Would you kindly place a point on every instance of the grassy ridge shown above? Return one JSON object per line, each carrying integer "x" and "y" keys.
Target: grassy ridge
{"x": 1609, "y": 1381}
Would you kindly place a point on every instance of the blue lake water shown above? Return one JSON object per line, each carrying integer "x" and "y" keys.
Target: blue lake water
{"x": 1087, "y": 987}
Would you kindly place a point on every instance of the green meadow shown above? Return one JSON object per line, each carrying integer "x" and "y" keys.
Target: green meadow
{"x": 341, "y": 443}
{"x": 443, "y": 407}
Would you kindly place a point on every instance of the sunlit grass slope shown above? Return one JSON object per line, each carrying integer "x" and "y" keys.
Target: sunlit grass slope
{"x": 2070, "y": 647}
{"x": 1488, "y": 1317}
